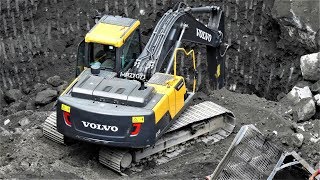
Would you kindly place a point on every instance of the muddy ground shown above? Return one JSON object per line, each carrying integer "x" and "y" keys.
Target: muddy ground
{"x": 26, "y": 153}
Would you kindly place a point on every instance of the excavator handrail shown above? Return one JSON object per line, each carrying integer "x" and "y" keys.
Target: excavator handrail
{"x": 194, "y": 65}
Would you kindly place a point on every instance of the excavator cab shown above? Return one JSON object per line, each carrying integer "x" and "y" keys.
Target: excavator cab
{"x": 113, "y": 43}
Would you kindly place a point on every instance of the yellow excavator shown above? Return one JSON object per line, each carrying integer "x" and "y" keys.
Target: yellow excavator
{"x": 130, "y": 100}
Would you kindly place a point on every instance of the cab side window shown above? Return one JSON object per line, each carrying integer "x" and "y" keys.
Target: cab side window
{"x": 130, "y": 50}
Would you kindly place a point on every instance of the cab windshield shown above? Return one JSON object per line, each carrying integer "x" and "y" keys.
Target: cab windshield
{"x": 105, "y": 55}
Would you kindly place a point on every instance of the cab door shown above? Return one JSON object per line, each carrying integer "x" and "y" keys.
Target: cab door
{"x": 130, "y": 51}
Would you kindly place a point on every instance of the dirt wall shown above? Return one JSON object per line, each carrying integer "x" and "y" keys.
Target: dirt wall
{"x": 39, "y": 39}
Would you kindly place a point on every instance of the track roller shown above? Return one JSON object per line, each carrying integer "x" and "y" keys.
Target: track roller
{"x": 116, "y": 159}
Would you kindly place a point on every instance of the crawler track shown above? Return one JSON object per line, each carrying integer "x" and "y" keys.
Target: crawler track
{"x": 205, "y": 121}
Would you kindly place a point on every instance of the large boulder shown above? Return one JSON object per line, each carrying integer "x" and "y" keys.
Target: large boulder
{"x": 304, "y": 110}
{"x": 12, "y": 95}
{"x": 45, "y": 97}
{"x": 298, "y": 93}
{"x": 55, "y": 81}
{"x": 310, "y": 66}
{"x": 301, "y": 13}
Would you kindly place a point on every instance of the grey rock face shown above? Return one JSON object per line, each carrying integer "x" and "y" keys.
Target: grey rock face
{"x": 298, "y": 12}
{"x": 12, "y": 95}
{"x": 45, "y": 97}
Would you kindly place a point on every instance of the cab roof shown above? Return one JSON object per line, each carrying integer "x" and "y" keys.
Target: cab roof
{"x": 112, "y": 30}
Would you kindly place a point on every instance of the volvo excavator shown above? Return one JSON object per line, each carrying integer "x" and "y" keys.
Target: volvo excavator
{"x": 130, "y": 100}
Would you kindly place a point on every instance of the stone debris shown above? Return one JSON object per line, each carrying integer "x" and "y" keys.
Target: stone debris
{"x": 24, "y": 121}
{"x": 12, "y": 95}
{"x": 62, "y": 87}
{"x": 39, "y": 87}
{"x": 315, "y": 88}
{"x": 317, "y": 98}
{"x": 55, "y": 81}
{"x": 45, "y": 97}
{"x": 304, "y": 110}
{"x": 298, "y": 139}
{"x": 310, "y": 66}
{"x": 16, "y": 107}
{"x": 314, "y": 140}
{"x": 7, "y": 121}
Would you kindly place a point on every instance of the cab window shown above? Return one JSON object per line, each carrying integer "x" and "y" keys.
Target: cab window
{"x": 130, "y": 50}
{"x": 105, "y": 55}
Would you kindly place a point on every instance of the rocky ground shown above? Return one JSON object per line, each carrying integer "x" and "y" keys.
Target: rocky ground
{"x": 26, "y": 153}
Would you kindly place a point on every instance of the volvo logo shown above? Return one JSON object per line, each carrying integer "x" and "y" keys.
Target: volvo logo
{"x": 203, "y": 35}
{"x": 99, "y": 126}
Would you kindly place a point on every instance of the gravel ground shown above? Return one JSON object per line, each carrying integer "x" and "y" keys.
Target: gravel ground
{"x": 26, "y": 153}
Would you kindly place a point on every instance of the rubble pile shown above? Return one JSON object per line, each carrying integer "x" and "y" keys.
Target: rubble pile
{"x": 40, "y": 96}
{"x": 303, "y": 106}
{"x": 303, "y": 99}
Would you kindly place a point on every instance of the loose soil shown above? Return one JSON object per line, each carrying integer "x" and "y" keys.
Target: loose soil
{"x": 26, "y": 153}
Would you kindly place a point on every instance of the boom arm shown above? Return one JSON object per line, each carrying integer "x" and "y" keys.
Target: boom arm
{"x": 171, "y": 29}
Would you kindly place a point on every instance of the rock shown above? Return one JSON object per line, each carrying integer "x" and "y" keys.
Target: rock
{"x": 26, "y": 90}
{"x": 18, "y": 131}
{"x": 298, "y": 139}
{"x": 302, "y": 84}
{"x": 30, "y": 105}
{"x": 314, "y": 140}
{"x": 310, "y": 66}
{"x": 297, "y": 12}
{"x": 62, "y": 87}
{"x": 24, "y": 121}
{"x": 317, "y": 98}
{"x": 15, "y": 107}
{"x": 297, "y": 93}
{"x": 45, "y": 97}
{"x": 280, "y": 96}
{"x": 55, "y": 81}
{"x": 294, "y": 127}
{"x": 39, "y": 87}
{"x": 2, "y": 101}
{"x": 4, "y": 132}
{"x": 12, "y": 95}
{"x": 7, "y": 121}
{"x": 315, "y": 88}
{"x": 304, "y": 110}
